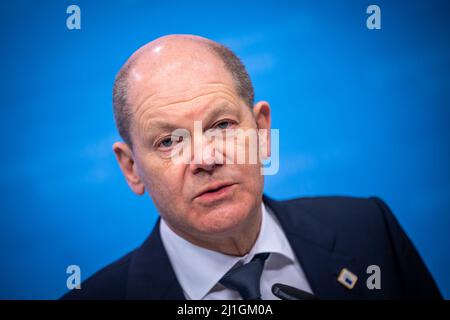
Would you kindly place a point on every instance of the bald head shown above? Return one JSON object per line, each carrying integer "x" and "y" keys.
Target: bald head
{"x": 169, "y": 63}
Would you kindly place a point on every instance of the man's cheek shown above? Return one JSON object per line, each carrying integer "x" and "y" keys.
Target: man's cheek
{"x": 252, "y": 179}
{"x": 169, "y": 188}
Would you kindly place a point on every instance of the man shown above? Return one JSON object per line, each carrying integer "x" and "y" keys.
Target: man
{"x": 218, "y": 236}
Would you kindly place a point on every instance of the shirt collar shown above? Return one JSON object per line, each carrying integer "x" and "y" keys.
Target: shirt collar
{"x": 198, "y": 269}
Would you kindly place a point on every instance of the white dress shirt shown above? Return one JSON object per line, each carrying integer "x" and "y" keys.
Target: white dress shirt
{"x": 199, "y": 270}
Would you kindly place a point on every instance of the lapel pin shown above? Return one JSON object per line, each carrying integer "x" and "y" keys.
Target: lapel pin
{"x": 347, "y": 278}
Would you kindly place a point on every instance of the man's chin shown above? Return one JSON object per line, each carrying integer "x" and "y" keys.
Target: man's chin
{"x": 225, "y": 221}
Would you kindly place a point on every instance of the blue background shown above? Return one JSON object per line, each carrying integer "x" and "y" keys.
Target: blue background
{"x": 360, "y": 113}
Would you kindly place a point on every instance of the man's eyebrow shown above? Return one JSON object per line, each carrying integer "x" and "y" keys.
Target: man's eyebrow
{"x": 219, "y": 110}
{"x": 155, "y": 126}
{"x": 162, "y": 125}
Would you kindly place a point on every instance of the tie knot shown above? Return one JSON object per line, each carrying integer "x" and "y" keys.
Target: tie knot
{"x": 246, "y": 278}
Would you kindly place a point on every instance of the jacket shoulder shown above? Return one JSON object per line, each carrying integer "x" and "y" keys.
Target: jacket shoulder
{"x": 339, "y": 211}
{"x": 357, "y": 223}
{"x": 109, "y": 282}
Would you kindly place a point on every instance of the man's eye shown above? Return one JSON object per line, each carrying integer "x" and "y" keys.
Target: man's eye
{"x": 224, "y": 124}
{"x": 168, "y": 142}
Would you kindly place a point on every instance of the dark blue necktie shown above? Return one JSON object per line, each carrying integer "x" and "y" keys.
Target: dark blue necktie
{"x": 245, "y": 279}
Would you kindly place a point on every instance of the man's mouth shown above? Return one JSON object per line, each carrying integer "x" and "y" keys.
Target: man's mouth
{"x": 216, "y": 192}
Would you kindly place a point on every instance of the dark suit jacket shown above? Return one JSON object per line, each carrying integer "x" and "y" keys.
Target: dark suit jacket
{"x": 326, "y": 234}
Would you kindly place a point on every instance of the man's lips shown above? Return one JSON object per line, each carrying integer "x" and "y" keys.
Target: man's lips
{"x": 215, "y": 191}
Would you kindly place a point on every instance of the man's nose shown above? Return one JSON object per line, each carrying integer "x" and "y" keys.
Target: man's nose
{"x": 204, "y": 157}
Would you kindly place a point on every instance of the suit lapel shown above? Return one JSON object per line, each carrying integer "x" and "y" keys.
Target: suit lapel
{"x": 313, "y": 243}
{"x": 151, "y": 275}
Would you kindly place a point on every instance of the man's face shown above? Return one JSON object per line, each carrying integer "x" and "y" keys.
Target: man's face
{"x": 171, "y": 97}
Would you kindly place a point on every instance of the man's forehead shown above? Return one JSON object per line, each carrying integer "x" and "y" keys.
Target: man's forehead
{"x": 182, "y": 95}
{"x": 179, "y": 84}
{"x": 174, "y": 117}
{"x": 178, "y": 70}
{"x": 196, "y": 109}
{"x": 177, "y": 74}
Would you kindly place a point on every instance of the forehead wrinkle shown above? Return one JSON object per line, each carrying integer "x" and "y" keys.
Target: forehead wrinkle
{"x": 158, "y": 116}
{"x": 183, "y": 99}
{"x": 211, "y": 112}
{"x": 143, "y": 115}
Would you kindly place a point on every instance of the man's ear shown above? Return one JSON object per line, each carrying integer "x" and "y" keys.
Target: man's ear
{"x": 125, "y": 158}
{"x": 261, "y": 112}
